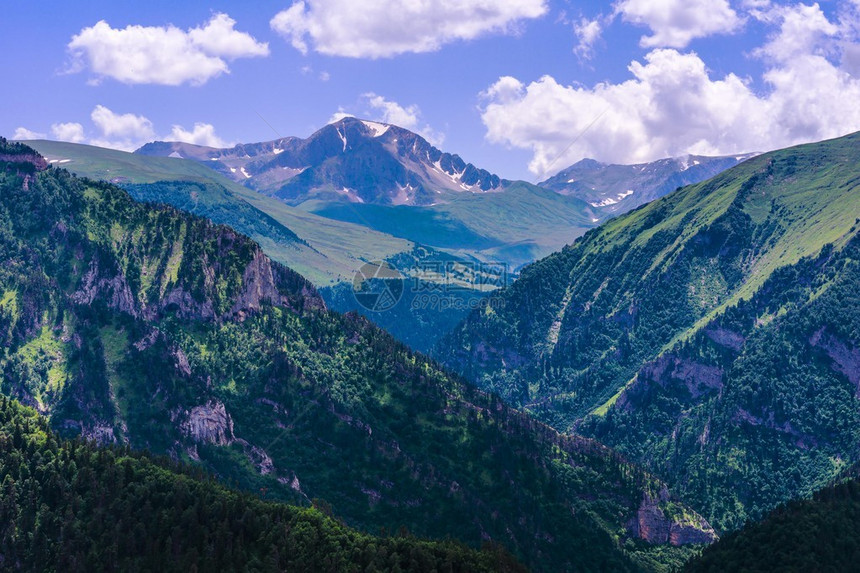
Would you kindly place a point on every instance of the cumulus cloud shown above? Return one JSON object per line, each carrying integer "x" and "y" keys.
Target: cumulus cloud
{"x": 24, "y": 133}
{"x": 386, "y": 28}
{"x": 126, "y": 125}
{"x": 71, "y": 131}
{"x": 803, "y": 31}
{"x": 339, "y": 115}
{"x": 163, "y": 55}
{"x": 674, "y": 23}
{"x": 201, "y": 134}
{"x": 588, "y": 32}
{"x": 377, "y": 108}
{"x": 672, "y": 104}
{"x": 124, "y": 131}
{"x": 392, "y": 112}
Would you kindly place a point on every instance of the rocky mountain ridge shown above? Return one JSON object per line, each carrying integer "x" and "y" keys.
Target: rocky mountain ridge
{"x": 350, "y": 160}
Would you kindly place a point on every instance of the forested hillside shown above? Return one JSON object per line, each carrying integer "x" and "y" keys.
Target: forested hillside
{"x": 132, "y": 324}
{"x": 818, "y": 534}
{"x": 74, "y": 506}
{"x": 711, "y": 335}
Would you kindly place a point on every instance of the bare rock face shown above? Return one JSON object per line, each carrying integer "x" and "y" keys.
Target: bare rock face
{"x": 653, "y": 525}
{"x": 695, "y": 533}
{"x": 259, "y": 282}
{"x": 261, "y": 460}
{"x": 845, "y": 359}
{"x": 181, "y": 360}
{"x": 101, "y": 434}
{"x": 183, "y": 304}
{"x": 209, "y": 424}
{"x": 114, "y": 289}
{"x": 726, "y": 338}
{"x": 670, "y": 370}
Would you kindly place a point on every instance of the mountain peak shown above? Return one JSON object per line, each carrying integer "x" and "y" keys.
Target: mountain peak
{"x": 374, "y": 128}
{"x": 613, "y": 189}
{"x": 350, "y": 160}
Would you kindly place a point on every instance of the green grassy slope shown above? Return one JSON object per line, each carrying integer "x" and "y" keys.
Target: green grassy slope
{"x": 622, "y": 335}
{"x": 516, "y": 226}
{"x": 125, "y": 322}
{"x": 328, "y": 251}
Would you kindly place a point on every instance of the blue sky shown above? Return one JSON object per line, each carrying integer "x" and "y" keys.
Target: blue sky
{"x": 520, "y": 87}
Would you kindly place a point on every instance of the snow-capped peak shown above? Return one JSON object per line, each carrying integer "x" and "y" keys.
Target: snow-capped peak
{"x": 377, "y": 128}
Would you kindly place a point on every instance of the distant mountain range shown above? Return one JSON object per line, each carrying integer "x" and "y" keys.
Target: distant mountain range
{"x": 615, "y": 189}
{"x": 358, "y": 191}
{"x": 392, "y": 180}
{"x": 361, "y": 161}
{"x": 327, "y": 251}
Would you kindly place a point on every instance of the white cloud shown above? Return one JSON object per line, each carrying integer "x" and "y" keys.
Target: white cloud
{"x": 587, "y": 32}
{"x": 408, "y": 117}
{"x": 671, "y": 106}
{"x": 386, "y": 28}
{"x": 24, "y": 133}
{"x": 339, "y": 115}
{"x": 219, "y": 38}
{"x": 125, "y": 131}
{"x": 674, "y": 23}
{"x": 126, "y": 125}
{"x": 803, "y": 30}
{"x": 72, "y": 131}
{"x": 163, "y": 55}
{"x": 392, "y": 112}
{"x": 201, "y": 134}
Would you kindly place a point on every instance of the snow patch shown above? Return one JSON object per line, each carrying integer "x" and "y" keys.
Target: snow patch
{"x": 342, "y": 138}
{"x": 176, "y": 155}
{"x": 232, "y": 170}
{"x": 245, "y": 173}
{"x": 277, "y": 150}
{"x": 351, "y": 195}
{"x": 377, "y": 128}
{"x": 613, "y": 200}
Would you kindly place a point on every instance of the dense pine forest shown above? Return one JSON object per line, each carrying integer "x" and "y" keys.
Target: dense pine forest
{"x": 75, "y": 506}
{"x": 818, "y": 534}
